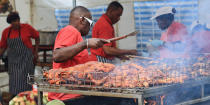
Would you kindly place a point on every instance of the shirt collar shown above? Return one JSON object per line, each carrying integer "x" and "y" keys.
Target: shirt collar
{"x": 107, "y": 18}
{"x": 10, "y": 26}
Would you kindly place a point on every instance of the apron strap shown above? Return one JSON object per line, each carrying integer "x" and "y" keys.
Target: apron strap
{"x": 10, "y": 29}
{"x": 104, "y": 60}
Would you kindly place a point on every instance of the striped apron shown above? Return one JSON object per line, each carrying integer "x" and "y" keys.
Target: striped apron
{"x": 104, "y": 60}
{"x": 20, "y": 63}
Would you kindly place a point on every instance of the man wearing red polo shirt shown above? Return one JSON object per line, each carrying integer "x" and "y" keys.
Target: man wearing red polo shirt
{"x": 70, "y": 49}
{"x": 104, "y": 29}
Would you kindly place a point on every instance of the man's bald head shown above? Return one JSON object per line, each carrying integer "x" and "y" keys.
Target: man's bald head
{"x": 79, "y": 11}
{"x": 78, "y": 19}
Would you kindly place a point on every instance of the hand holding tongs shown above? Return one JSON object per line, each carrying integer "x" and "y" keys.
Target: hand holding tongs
{"x": 122, "y": 37}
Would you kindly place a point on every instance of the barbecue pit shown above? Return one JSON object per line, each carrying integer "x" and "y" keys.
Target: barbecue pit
{"x": 146, "y": 78}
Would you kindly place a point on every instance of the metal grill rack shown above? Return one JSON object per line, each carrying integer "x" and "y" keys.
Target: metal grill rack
{"x": 161, "y": 78}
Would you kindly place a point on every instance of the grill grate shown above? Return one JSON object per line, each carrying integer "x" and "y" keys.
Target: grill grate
{"x": 128, "y": 77}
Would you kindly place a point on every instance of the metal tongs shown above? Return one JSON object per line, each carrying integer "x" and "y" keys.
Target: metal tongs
{"x": 122, "y": 37}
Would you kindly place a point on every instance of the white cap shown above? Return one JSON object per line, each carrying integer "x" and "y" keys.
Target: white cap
{"x": 195, "y": 24}
{"x": 163, "y": 11}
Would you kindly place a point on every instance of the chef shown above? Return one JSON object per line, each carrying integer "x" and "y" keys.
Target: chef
{"x": 16, "y": 39}
{"x": 70, "y": 49}
{"x": 174, "y": 35}
{"x": 104, "y": 29}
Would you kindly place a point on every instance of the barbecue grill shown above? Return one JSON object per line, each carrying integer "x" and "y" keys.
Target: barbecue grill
{"x": 144, "y": 78}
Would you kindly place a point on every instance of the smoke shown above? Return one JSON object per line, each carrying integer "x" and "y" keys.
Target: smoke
{"x": 187, "y": 49}
{"x": 204, "y": 14}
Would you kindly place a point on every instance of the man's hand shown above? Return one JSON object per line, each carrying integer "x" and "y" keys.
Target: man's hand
{"x": 132, "y": 52}
{"x": 156, "y": 43}
{"x": 66, "y": 53}
{"x": 36, "y": 57}
{"x": 96, "y": 43}
{"x": 122, "y": 57}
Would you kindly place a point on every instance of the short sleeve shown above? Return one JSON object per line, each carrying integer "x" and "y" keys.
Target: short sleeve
{"x": 3, "y": 43}
{"x": 104, "y": 33}
{"x": 65, "y": 38}
{"x": 33, "y": 32}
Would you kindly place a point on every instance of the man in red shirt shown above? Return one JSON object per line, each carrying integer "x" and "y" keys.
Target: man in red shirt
{"x": 104, "y": 29}
{"x": 70, "y": 49}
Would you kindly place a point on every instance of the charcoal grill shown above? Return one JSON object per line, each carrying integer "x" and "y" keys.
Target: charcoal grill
{"x": 199, "y": 77}
{"x": 138, "y": 93}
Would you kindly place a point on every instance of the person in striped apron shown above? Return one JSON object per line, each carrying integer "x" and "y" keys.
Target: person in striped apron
{"x": 21, "y": 59}
{"x": 104, "y": 29}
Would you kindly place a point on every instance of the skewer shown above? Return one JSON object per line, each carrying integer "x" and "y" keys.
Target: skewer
{"x": 122, "y": 37}
{"x": 135, "y": 56}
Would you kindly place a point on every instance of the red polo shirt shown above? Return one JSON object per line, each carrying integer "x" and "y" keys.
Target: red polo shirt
{"x": 26, "y": 31}
{"x": 103, "y": 29}
{"x": 68, "y": 36}
{"x": 176, "y": 32}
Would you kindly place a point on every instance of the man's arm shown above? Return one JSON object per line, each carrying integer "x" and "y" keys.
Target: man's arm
{"x": 37, "y": 41}
{"x": 118, "y": 52}
{"x": 66, "y": 53}
{"x": 2, "y": 50}
{"x": 63, "y": 54}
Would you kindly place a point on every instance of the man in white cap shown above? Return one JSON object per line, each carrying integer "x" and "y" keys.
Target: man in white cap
{"x": 174, "y": 33}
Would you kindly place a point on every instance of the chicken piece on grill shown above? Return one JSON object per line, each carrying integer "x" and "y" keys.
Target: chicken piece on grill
{"x": 97, "y": 78}
{"x": 198, "y": 65}
{"x": 99, "y": 81}
{"x": 54, "y": 73}
{"x": 203, "y": 72}
{"x": 137, "y": 66}
{"x": 46, "y": 74}
{"x": 56, "y": 81}
{"x": 78, "y": 73}
{"x": 145, "y": 84}
{"x": 105, "y": 67}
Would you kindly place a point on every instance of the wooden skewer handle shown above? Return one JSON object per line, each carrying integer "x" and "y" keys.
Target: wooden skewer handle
{"x": 122, "y": 37}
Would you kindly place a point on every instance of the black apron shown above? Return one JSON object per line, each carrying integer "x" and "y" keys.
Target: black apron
{"x": 104, "y": 60}
{"x": 20, "y": 63}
